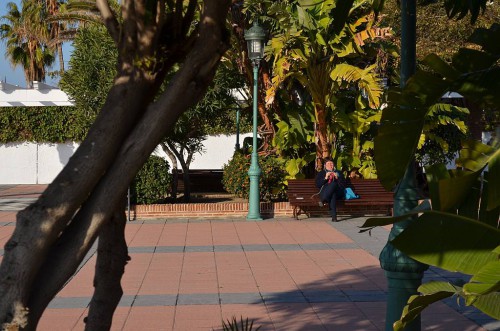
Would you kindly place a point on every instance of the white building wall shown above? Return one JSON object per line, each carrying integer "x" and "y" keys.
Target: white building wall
{"x": 217, "y": 151}
{"x": 18, "y": 163}
{"x": 31, "y": 163}
{"x": 52, "y": 158}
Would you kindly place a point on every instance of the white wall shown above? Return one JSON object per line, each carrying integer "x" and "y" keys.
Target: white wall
{"x": 217, "y": 151}
{"x": 18, "y": 163}
{"x": 30, "y": 163}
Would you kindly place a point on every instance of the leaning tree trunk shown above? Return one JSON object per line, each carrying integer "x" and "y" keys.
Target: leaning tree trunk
{"x": 112, "y": 256}
{"x": 53, "y": 234}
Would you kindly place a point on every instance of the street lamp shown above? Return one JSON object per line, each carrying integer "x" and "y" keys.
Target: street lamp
{"x": 255, "y": 37}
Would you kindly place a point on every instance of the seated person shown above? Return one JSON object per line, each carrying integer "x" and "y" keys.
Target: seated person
{"x": 331, "y": 185}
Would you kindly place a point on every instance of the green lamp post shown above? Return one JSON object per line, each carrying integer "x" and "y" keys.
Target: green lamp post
{"x": 404, "y": 275}
{"x": 255, "y": 37}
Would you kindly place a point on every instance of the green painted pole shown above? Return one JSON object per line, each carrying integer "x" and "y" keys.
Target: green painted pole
{"x": 237, "y": 146}
{"x": 404, "y": 275}
{"x": 254, "y": 171}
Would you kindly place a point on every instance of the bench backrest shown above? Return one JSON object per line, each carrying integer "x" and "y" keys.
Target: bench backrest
{"x": 367, "y": 189}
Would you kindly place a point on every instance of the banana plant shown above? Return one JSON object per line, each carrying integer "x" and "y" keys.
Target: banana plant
{"x": 458, "y": 228}
{"x": 294, "y": 139}
{"x": 319, "y": 45}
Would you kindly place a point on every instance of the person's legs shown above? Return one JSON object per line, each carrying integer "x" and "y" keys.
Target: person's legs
{"x": 326, "y": 193}
{"x": 330, "y": 194}
{"x": 333, "y": 207}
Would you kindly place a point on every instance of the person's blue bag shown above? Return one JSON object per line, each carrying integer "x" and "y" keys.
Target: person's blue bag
{"x": 349, "y": 194}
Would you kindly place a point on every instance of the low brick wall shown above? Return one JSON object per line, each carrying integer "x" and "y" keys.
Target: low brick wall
{"x": 240, "y": 209}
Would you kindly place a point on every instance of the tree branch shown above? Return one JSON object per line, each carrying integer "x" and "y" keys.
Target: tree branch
{"x": 109, "y": 20}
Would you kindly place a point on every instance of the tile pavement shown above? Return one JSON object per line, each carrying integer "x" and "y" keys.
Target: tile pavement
{"x": 284, "y": 274}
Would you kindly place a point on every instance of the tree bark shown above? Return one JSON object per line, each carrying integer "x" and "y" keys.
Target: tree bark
{"x": 53, "y": 235}
{"x": 185, "y": 173}
{"x": 112, "y": 256}
{"x": 175, "y": 169}
{"x": 323, "y": 147}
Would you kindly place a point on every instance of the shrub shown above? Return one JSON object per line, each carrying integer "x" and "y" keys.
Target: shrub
{"x": 236, "y": 181}
{"x": 152, "y": 183}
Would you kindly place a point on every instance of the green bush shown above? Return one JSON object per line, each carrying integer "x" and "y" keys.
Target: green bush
{"x": 43, "y": 124}
{"x": 152, "y": 183}
{"x": 235, "y": 177}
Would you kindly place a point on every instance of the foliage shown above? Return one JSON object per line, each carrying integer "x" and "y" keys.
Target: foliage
{"x": 294, "y": 139}
{"x": 444, "y": 128}
{"x": 217, "y": 109}
{"x": 447, "y": 36}
{"x": 92, "y": 69}
{"x": 321, "y": 52}
{"x": 42, "y": 124}
{"x": 235, "y": 178}
{"x": 461, "y": 230}
{"x": 244, "y": 325}
{"x": 152, "y": 183}
{"x": 472, "y": 73}
{"x": 86, "y": 82}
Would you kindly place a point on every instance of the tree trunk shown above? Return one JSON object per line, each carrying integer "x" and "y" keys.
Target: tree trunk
{"x": 239, "y": 25}
{"x": 53, "y": 235}
{"x": 112, "y": 256}
{"x": 175, "y": 169}
{"x": 475, "y": 121}
{"x": 323, "y": 146}
{"x": 185, "y": 173}
{"x": 61, "y": 59}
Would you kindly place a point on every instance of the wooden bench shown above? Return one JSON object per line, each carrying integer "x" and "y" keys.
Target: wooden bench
{"x": 304, "y": 193}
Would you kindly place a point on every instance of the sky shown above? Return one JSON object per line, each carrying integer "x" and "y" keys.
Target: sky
{"x": 15, "y": 76}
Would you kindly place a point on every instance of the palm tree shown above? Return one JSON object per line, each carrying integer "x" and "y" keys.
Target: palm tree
{"x": 24, "y": 36}
{"x": 55, "y": 27}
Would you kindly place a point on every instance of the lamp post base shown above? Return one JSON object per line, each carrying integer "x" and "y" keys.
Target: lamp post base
{"x": 254, "y": 195}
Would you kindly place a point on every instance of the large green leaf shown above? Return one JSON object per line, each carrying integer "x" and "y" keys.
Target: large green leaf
{"x": 490, "y": 216}
{"x": 490, "y": 274}
{"x": 441, "y": 66}
{"x": 434, "y": 174}
{"x": 340, "y": 14}
{"x": 372, "y": 222}
{"x": 489, "y": 304}
{"x": 454, "y": 190}
{"x": 471, "y": 60}
{"x": 396, "y": 142}
{"x": 461, "y": 8}
{"x": 476, "y": 155}
{"x": 432, "y": 292}
{"x": 449, "y": 241}
{"x": 487, "y": 38}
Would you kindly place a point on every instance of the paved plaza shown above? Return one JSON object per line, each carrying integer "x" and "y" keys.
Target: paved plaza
{"x": 190, "y": 274}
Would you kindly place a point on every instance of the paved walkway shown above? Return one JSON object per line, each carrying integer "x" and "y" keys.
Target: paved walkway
{"x": 284, "y": 274}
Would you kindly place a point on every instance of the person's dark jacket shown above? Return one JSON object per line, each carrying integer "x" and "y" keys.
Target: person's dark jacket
{"x": 320, "y": 178}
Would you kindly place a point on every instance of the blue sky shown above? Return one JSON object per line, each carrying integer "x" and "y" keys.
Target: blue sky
{"x": 15, "y": 76}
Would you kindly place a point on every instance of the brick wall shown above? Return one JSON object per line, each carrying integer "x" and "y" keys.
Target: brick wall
{"x": 240, "y": 209}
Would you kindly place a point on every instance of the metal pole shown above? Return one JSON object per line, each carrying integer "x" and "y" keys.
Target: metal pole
{"x": 254, "y": 171}
{"x": 237, "y": 146}
{"x": 404, "y": 275}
